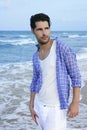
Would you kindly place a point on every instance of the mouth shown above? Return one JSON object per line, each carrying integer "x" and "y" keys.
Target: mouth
{"x": 44, "y": 37}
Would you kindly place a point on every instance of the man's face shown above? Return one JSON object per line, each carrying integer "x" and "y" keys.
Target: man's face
{"x": 42, "y": 32}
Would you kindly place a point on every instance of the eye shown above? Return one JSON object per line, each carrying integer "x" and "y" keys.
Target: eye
{"x": 47, "y": 28}
{"x": 39, "y": 29}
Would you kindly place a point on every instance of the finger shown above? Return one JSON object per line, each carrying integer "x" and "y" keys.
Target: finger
{"x": 68, "y": 111}
{"x": 35, "y": 119}
{"x": 72, "y": 115}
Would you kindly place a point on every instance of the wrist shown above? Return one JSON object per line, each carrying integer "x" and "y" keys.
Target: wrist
{"x": 76, "y": 102}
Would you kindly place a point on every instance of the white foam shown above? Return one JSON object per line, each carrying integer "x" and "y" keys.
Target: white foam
{"x": 23, "y": 42}
{"x": 82, "y": 56}
{"x": 18, "y": 41}
{"x": 14, "y": 95}
{"x": 23, "y": 36}
{"x": 77, "y": 36}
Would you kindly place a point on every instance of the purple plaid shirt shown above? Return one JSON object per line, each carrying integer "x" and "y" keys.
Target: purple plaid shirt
{"x": 66, "y": 71}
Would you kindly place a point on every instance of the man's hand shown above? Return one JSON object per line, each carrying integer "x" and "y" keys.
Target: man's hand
{"x": 73, "y": 109}
{"x": 33, "y": 114}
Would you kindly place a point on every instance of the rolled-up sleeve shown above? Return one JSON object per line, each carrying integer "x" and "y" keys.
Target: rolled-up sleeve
{"x": 72, "y": 68}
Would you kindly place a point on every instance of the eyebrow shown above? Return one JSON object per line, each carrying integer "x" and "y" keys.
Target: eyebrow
{"x": 41, "y": 28}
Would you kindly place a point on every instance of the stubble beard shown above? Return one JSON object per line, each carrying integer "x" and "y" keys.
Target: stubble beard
{"x": 43, "y": 42}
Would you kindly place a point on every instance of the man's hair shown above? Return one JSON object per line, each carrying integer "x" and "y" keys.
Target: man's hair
{"x": 39, "y": 17}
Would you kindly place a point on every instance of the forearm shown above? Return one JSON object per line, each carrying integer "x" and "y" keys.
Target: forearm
{"x": 76, "y": 95}
{"x": 73, "y": 109}
{"x": 31, "y": 106}
{"x": 32, "y": 97}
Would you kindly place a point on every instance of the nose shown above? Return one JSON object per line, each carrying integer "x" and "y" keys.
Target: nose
{"x": 44, "y": 32}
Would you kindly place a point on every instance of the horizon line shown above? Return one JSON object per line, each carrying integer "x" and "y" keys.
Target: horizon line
{"x": 51, "y": 30}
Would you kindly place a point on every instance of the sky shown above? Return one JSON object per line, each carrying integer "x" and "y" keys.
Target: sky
{"x": 66, "y": 15}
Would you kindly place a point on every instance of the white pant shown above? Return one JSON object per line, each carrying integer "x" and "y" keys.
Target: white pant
{"x": 50, "y": 118}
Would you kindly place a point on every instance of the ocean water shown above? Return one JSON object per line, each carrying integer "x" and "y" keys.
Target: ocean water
{"x": 16, "y": 51}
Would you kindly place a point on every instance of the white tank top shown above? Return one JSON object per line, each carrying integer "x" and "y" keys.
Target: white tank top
{"x": 48, "y": 94}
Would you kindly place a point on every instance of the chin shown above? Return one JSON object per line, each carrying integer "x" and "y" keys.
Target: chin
{"x": 44, "y": 42}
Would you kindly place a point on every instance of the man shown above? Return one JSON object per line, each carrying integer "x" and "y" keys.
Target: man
{"x": 54, "y": 68}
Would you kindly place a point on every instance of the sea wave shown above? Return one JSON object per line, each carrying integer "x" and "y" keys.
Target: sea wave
{"x": 77, "y": 36}
{"x": 73, "y": 36}
{"x": 16, "y": 42}
{"x": 82, "y": 55}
